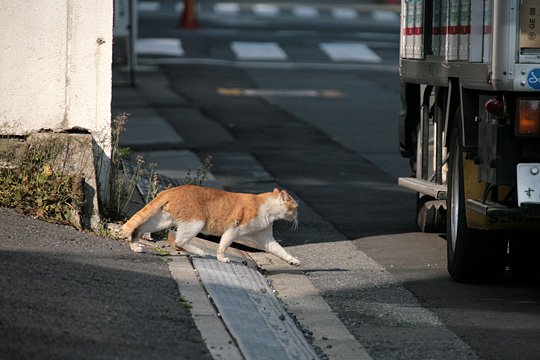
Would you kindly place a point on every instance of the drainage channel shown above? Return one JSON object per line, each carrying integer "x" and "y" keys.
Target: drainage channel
{"x": 251, "y": 322}
{"x": 251, "y": 311}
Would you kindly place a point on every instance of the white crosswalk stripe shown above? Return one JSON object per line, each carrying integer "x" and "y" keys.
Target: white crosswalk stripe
{"x": 148, "y": 6}
{"x": 350, "y": 52}
{"x": 305, "y": 11}
{"x": 358, "y": 52}
{"x": 227, "y": 8}
{"x": 380, "y": 15}
{"x": 159, "y": 47}
{"x": 266, "y": 10}
{"x": 344, "y": 13}
{"x": 272, "y": 10}
{"x": 179, "y": 7}
{"x": 258, "y": 51}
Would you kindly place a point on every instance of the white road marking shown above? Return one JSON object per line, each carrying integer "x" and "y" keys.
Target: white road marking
{"x": 227, "y": 8}
{"x": 179, "y": 7}
{"x": 148, "y": 6}
{"x": 279, "y": 92}
{"x": 266, "y": 10}
{"x": 380, "y": 15}
{"x": 289, "y": 65}
{"x": 344, "y": 13}
{"x": 349, "y": 52}
{"x": 305, "y": 11}
{"x": 155, "y": 46}
{"x": 258, "y": 51}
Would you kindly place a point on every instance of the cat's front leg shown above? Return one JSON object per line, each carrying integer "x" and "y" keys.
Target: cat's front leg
{"x": 266, "y": 240}
{"x": 273, "y": 247}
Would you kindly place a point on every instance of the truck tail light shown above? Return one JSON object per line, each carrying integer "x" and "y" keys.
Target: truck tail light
{"x": 528, "y": 117}
{"x": 495, "y": 106}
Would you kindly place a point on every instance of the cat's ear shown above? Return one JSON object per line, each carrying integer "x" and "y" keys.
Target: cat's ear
{"x": 276, "y": 191}
{"x": 286, "y": 198}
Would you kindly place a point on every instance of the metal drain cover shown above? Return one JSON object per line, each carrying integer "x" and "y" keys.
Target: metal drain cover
{"x": 252, "y": 312}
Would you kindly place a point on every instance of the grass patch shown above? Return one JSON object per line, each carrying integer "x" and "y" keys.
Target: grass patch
{"x": 185, "y": 302}
{"x": 160, "y": 252}
{"x": 34, "y": 180}
{"x": 30, "y": 184}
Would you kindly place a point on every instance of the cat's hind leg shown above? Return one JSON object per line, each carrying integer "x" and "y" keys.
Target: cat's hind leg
{"x": 185, "y": 232}
{"x": 226, "y": 240}
{"x": 161, "y": 220}
{"x": 134, "y": 241}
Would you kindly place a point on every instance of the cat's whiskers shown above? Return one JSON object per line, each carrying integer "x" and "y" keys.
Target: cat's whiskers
{"x": 294, "y": 225}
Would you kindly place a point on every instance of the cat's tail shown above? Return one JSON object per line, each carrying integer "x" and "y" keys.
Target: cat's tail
{"x": 144, "y": 215}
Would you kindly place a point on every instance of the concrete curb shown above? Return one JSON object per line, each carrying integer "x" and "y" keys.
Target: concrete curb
{"x": 217, "y": 338}
{"x": 302, "y": 299}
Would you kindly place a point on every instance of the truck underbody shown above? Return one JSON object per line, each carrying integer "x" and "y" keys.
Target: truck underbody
{"x": 471, "y": 129}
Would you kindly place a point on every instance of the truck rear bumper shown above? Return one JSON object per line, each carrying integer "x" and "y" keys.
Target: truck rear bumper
{"x": 497, "y": 210}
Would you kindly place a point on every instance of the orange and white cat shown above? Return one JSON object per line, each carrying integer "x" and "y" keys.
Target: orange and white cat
{"x": 195, "y": 209}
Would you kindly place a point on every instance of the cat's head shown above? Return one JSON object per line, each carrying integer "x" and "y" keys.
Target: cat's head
{"x": 288, "y": 205}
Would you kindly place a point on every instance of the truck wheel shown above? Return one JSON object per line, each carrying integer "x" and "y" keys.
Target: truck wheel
{"x": 473, "y": 255}
{"x": 430, "y": 214}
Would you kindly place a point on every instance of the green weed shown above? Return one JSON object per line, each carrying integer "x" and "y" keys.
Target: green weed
{"x": 160, "y": 252}
{"x": 187, "y": 304}
{"x": 31, "y": 185}
{"x": 123, "y": 186}
{"x": 201, "y": 175}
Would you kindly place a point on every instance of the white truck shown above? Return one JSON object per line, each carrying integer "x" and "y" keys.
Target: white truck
{"x": 470, "y": 125}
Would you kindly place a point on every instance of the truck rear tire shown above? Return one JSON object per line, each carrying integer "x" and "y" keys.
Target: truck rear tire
{"x": 430, "y": 214}
{"x": 473, "y": 255}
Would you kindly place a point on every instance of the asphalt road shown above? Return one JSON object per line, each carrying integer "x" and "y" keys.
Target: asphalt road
{"x": 338, "y": 154}
{"x": 69, "y": 295}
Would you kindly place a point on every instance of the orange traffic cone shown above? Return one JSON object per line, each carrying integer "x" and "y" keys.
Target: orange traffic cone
{"x": 188, "y": 20}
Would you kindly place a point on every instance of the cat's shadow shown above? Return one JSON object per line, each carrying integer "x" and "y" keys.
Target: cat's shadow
{"x": 292, "y": 270}
{"x": 323, "y": 270}
{"x": 297, "y": 270}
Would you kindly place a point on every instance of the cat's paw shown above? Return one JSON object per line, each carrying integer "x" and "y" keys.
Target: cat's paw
{"x": 224, "y": 259}
{"x": 294, "y": 261}
{"x": 199, "y": 253}
{"x": 136, "y": 248}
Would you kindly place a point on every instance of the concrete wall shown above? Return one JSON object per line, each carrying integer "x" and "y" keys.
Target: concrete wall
{"x": 55, "y": 68}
